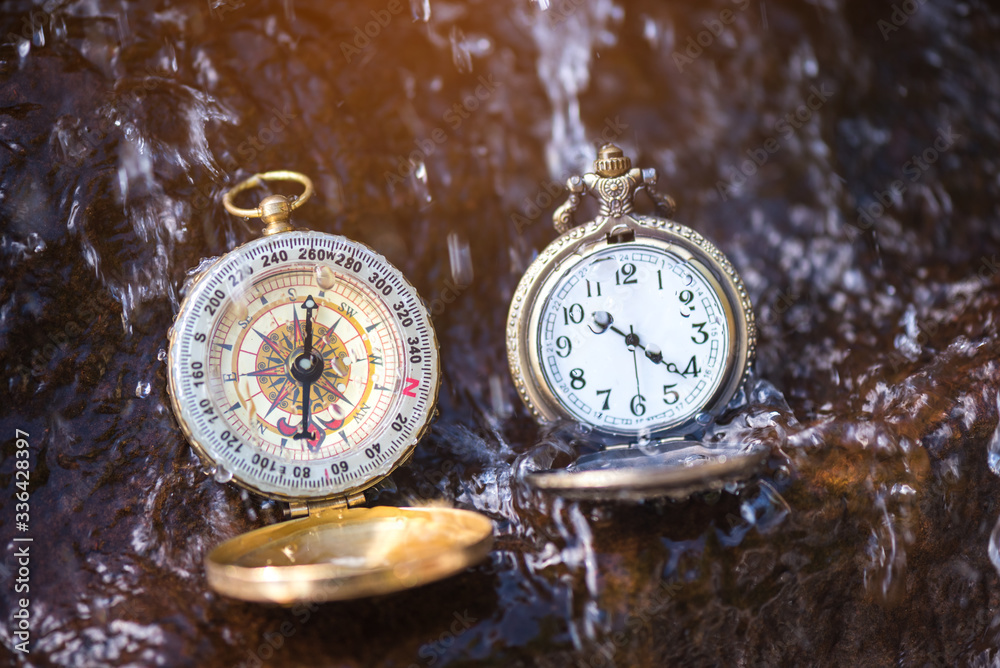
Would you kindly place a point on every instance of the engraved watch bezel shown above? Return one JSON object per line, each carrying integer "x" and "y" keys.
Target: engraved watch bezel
{"x": 203, "y": 449}
{"x": 565, "y": 252}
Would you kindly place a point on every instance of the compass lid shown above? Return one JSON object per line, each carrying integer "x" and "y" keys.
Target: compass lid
{"x": 672, "y": 469}
{"x": 347, "y": 553}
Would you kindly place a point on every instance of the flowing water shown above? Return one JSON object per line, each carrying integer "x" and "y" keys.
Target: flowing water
{"x": 843, "y": 155}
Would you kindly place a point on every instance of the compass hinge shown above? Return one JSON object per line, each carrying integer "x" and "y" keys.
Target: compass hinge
{"x": 298, "y": 509}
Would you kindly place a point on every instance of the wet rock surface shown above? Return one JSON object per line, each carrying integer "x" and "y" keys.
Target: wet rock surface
{"x": 843, "y": 155}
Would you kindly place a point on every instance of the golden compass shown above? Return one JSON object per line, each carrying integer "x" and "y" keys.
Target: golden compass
{"x": 304, "y": 367}
{"x": 637, "y": 329}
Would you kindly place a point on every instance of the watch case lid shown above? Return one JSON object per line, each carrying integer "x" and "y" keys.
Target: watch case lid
{"x": 340, "y": 554}
{"x": 671, "y": 469}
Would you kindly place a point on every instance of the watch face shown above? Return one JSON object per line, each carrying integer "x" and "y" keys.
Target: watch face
{"x": 633, "y": 339}
{"x": 303, "y": 364}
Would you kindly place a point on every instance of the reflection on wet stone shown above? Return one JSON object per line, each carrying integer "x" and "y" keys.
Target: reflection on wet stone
{"x": 869, "y": 539}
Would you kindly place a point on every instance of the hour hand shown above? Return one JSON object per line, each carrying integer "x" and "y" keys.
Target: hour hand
{"x": 654, "y": 353}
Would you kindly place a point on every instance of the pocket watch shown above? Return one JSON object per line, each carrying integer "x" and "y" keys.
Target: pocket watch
{"x": 304, "y": 367}
{"x": 637, "y": 329}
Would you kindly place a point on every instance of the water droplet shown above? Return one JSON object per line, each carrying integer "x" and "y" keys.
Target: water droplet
{"x": 420, "y": 186}
{"x": 645, "y": 444}
{"x": 460, "y": 258}
{"x": 222, "y": 474}
{"x": 161, "y": 354}
{"x": 35, "y": 243}
{"x": 240, "y": 311}
{"x": 325, "y": 277}
{"x": 993, "y": 449}
{"x": 993, "y": 549}
{"x": 460, "y": 54}
{"x": 651, "y": 31}
{"x": 421, "y": 10}
{"x": 142, "y": 390}
{"x": 498, "y": 398}
{"x": 703, "y": 418}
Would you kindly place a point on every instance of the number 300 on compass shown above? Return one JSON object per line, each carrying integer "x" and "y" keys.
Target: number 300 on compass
{"x": 303, "y": 364}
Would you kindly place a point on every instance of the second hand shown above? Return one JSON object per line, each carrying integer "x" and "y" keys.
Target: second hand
{"x": 630, "y": 340}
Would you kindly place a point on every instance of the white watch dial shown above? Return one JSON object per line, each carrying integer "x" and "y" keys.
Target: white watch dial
{"x": 633, "y": 339}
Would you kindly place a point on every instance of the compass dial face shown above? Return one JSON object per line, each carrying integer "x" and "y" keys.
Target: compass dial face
{"x": 633, "y": 339}
{"x": 304, "y": 365}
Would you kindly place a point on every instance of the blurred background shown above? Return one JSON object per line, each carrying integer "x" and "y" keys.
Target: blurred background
{"x": 842, "y": 154}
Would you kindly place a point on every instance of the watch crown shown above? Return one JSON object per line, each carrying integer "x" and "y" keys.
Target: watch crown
{"x": 276, "y": 211}
{"x": 611, "y": 162}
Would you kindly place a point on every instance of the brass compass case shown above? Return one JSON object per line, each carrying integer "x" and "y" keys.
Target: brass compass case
{"x": 364, "y": 359}
{"x": 617, "y": 227}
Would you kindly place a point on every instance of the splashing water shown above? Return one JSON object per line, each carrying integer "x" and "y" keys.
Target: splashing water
{"x": 993, "y": 459}
{"x": 993, "y": 449}
{"x": 878, "y": 341}
{"x": 566, "y": 39}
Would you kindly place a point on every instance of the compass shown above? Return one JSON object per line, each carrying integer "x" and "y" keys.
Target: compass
{"x": 304, "y": 367}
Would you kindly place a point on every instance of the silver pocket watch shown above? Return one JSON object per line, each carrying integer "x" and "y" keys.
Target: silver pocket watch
{"x": 638, "y": 330}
